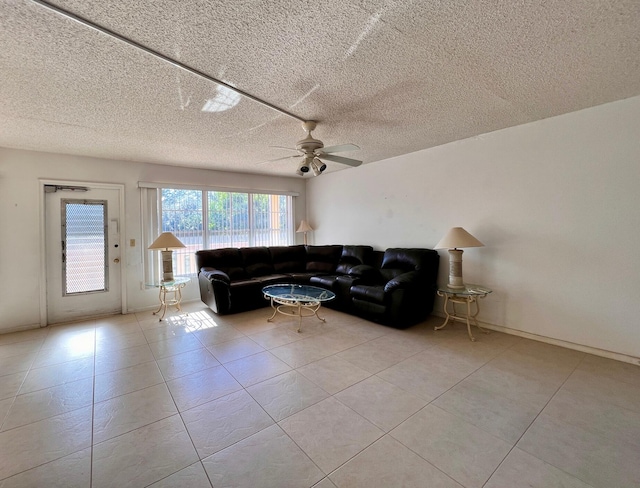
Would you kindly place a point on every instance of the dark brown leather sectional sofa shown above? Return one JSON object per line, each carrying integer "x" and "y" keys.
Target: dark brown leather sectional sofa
{"x": 395, "y": 287}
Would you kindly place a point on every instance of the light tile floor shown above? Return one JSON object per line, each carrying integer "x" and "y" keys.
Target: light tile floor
{"x": 235, "y": 401}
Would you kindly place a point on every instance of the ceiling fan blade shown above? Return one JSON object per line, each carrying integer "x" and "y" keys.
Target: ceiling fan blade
{"x": 278, "y": 159}
{"x": 340, "y": 159}
{"x": 340, "y": 148}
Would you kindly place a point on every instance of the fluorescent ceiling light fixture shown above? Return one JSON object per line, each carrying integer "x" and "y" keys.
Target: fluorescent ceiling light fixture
{"x": 224, "y": 99}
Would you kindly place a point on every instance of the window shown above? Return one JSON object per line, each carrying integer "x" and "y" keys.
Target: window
{"x": 248, "y": 219}
{"x": 180, "y": 212}
{"x": 208, "y": 219}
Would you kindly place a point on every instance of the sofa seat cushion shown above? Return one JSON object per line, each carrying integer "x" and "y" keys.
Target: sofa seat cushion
{"x": 301, "y": 278}
{"x": 326, "y": 281}
{"x": 273, "y": 279}
{"x": 246, "y": 295}
{"x": 367, "y": 293}
{"x": 373, "y": 311}
{"x": 248, "y": 283}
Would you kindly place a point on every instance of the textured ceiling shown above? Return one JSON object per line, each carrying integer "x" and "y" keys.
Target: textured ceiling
{"x": 392, "y": 76}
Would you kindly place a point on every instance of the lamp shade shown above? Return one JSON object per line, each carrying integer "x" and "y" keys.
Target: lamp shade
{"x": 304, "y": 227}
{"x": 457, "y": 238}
{"x": 166, "y": 241}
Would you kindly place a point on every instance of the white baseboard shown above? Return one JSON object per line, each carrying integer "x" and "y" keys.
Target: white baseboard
{"x": 22, "y": 328}
{"x": 557, "y": 342}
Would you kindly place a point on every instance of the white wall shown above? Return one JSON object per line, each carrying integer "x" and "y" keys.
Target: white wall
{"x": 20, "y": 267}
{"x": 556, "y": 203}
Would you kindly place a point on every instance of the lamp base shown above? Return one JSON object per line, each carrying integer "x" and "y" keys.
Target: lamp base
{"x": 455, "y": 269}
{"x": 167, "y": 266}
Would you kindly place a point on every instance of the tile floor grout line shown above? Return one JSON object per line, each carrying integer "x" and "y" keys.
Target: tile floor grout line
{"x": 430, "y": 403}
{"x": 14, "y": 401}
{"x": 200, "y": 459}
{"x": 276, "y": 422}
{"x": 515, "y": 444}
{"x": 63, "y": 413}
{"x": 173, "y": 397}
{"x": 192, "y": 443}
{"x": 384, "y": 433}
{"x": 424, "y": 459}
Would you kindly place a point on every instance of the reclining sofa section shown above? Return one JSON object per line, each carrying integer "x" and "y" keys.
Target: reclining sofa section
{"x": 395, "y": 287}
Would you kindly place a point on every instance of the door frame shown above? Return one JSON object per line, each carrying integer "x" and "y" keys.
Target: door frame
{"x": 43, "y": 242}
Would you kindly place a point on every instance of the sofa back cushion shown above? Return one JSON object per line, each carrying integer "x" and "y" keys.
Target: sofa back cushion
{"x": 257, "y": 261}
{"x": 353, "y": 256}
{"x": 322, "y": 259}
{"x": 376, "y": 259}
{"x": 397, "y": 261}
{"x": 228, "y": 260}
{"x": 288, "y": 259}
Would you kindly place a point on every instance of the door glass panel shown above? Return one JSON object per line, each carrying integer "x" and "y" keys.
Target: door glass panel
{"x": 84, "y": 246}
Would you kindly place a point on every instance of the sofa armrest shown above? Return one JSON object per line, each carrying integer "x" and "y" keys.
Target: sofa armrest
{"x": 403, "y": 281}
{"x": 213, "y": 274}
{"x": 215, "y": 289}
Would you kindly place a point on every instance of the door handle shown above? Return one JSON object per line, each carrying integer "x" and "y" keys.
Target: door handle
{"x": 116, "y": 260}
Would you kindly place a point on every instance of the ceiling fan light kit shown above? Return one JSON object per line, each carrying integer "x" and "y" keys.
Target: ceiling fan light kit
{"x": 303, "y": 168}
{"x": 317, "y": 166}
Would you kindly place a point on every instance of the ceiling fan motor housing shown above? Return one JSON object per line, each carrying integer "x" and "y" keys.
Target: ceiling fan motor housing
{"x": 309, "y": 145}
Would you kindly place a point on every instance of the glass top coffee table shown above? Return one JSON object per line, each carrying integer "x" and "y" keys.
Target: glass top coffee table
{"x": 296, "y": 300}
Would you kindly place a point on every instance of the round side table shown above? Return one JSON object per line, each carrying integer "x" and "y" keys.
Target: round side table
{"x": 174, "y": 289}
{"x": 468, "y": 295}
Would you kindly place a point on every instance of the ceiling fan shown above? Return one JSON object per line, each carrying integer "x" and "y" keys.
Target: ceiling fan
{"x": 313, "y": 152}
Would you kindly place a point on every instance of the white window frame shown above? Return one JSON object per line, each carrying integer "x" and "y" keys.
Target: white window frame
{"x": 151, "y": 216}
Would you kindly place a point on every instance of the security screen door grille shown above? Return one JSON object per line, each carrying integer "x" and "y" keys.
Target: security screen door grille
{"x": 84, "y": 246}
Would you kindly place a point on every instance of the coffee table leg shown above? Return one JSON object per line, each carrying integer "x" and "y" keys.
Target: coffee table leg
{"x": 294, "y": 308}
{"x": 316, "y": 312}
{"x": 275, "y": 311}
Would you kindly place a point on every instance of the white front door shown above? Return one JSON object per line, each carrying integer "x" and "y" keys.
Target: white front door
{"x": 83, "y": 253}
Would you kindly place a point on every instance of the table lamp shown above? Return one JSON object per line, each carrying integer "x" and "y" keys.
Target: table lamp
{"x": 304, "y": 227}
{"x": 165, "y": 243}
{"x": 456, "y": 238}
